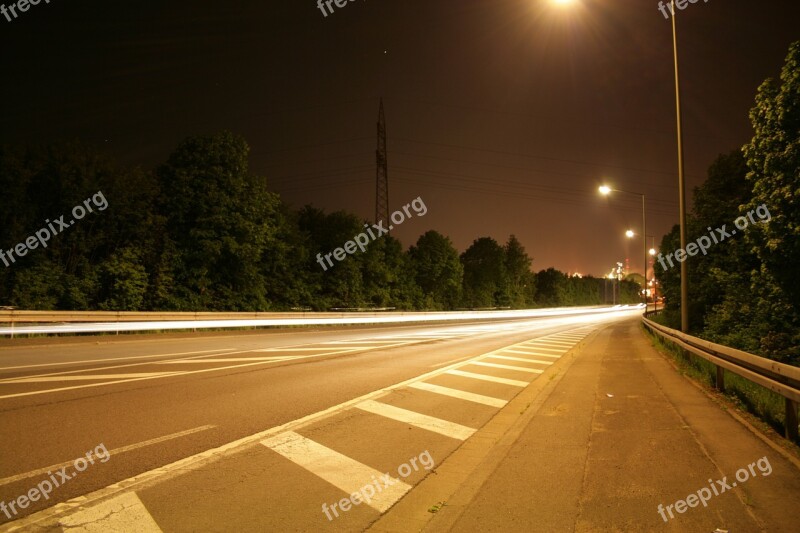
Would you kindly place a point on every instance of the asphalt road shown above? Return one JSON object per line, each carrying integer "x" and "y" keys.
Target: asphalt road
{"x": 212, "y": 400}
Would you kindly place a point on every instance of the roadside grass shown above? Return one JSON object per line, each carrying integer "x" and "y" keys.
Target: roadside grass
{"x": 768, "y": 406}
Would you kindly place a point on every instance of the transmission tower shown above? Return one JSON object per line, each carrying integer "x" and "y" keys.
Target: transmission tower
{"x": 382, "y": 176}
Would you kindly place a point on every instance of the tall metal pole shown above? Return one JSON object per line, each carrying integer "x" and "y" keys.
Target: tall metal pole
{"x": 644, "y": 246}
{"x": 681, "y": 182}
{"x": 382, "y": 174}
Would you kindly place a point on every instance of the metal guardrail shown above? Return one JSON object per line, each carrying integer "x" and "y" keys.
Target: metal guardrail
{"x": 777, "y": 377}
{"x": 60, "y": 322}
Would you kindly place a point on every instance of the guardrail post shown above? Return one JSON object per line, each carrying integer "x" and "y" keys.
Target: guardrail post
{"x": 791, "y": 420}
{"x": 720, "y": 379}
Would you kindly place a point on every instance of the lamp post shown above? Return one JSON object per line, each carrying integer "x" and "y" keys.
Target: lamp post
{"x": 681, "y": 181}
{"x": 681, "y": 177}
{"x": 653, "y": 281}
{"x": 605, "y": 190}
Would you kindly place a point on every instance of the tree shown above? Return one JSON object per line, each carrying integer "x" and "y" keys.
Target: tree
{"x": 521, "y": 285}
{"x": 485, "y": 275}
{"x": 437, "y": 270}
{"x": 551, "y": 286}
{"x": 219, "y": 218}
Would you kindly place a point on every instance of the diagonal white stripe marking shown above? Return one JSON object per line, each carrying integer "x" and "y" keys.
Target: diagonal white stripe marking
{"x": 534, "y": 346}
{"x": 339, "y": 470}
{"x": 539, "y": 354}
{"x": 508, "y": 367}
{"x": 564, "y": 344}
{"x": 528, "y": 351}
{"x": 437, "y": 425}
{"x": 460, "y": 394}
{"x": 126, "y": 512}
{"x": 484, "y": 377}
{"x": 521, "y": 359}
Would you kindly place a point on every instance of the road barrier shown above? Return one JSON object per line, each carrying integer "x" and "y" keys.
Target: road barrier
{"x": 777, "y": 377}
{"x": 59, "y": 322}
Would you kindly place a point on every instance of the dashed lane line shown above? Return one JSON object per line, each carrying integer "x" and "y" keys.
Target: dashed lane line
{"x": 115, "y": 451}
{"x": 219, "y": 352}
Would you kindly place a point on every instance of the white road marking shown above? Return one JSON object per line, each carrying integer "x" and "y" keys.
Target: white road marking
{"x": 198, "y": 460}
{"x": 528, "y": 351}
{"x": 226, "y": 360}
{"x": 115, "y": 451}
{"x": 508, "y": 367}
{"x": 314, "y": 349}
{"x": 373, "y": 341}
{"x": 484, "y": 377}
{"x": 126, "y": 512}
{"x": 90, "y": 377}
{"x": 521, "y": 359}
{"x": 220, "y": 352}
{"x": 539, "y": 354}
{"x": 555, "y": 343}
{"x": 339, "y": 470}
{"x": 430, "y": 423}
{"x": 460, "y": 394}
{"x": 536, "y": 348}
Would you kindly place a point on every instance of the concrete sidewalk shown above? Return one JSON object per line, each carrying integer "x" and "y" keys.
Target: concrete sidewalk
{"x": 620, "y": 433}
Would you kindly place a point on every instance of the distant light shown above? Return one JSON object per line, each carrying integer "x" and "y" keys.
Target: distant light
{"x": 563, "y": 2}
{"x": 604, "y": 189}
{"x": 629, "y": 234}
{"x": 652, "y": 251}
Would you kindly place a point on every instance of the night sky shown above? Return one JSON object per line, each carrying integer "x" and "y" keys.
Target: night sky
{"x": 503, "y": 115}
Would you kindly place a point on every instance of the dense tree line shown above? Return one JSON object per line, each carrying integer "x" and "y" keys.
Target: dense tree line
{"x": 201, "y": 232}
{"x": 745, "y": 292}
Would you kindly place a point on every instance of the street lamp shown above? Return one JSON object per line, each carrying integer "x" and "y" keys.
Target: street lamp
{"x": 681, "y": 181}
{"x": 605, "y": 190}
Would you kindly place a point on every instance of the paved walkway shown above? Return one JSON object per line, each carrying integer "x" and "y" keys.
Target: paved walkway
{"x": 621, "y": 433}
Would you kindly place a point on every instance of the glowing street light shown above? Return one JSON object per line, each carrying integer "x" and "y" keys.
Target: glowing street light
{"x": 605, "y": 190}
